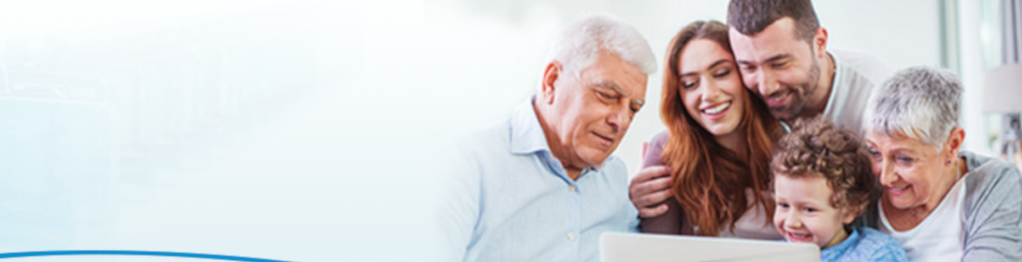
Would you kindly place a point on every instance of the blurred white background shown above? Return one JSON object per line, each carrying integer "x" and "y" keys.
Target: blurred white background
{"x": 308, "y": 130}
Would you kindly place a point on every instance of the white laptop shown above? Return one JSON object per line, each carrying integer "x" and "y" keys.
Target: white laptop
{"x": 632, "y": 247}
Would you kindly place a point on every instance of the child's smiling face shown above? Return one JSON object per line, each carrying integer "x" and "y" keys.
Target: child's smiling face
{"x": 804, "y": 212}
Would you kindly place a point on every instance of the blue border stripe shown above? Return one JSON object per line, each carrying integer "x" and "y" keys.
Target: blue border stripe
{"x": 131, "y": 253}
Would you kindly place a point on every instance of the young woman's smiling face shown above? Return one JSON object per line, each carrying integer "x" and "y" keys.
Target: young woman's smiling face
{"x": 804, "y": 212}
{"x": 711, "y": 87}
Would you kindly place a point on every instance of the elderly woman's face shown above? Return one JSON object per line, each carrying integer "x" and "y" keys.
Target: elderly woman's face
{"x": 908, "y": 169}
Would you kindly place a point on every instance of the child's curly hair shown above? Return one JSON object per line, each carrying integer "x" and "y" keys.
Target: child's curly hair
{"x": 818, "y": 147}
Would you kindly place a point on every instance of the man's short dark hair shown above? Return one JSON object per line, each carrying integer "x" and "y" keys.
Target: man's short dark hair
{"x": 750, "y": 17}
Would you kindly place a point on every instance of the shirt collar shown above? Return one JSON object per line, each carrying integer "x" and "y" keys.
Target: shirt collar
{"x": 527, "y": 135}
{"x": 834, "y": 86}
{"x": 842, "y": 247}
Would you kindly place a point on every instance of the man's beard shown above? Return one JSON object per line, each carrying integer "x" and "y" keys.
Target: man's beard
{"x": 810, "y": 88}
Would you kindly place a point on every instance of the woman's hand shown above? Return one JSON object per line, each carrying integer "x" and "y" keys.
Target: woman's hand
{"x": 649, "y": 189}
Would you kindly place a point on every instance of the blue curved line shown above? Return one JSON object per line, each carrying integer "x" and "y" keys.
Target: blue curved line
{"x": 131, "y": 253}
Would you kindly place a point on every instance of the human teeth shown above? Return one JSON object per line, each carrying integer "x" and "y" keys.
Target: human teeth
{"x": 776, "y": 98}
{"x": 717, "y": 109}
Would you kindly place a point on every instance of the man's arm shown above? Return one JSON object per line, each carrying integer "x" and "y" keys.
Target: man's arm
{"x": 460, "y": 206}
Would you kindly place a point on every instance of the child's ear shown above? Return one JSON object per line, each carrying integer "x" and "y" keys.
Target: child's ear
{"x": 848, "y": 214}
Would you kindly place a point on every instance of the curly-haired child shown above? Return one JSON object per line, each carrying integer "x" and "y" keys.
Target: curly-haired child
{"x": 822, "y": 181}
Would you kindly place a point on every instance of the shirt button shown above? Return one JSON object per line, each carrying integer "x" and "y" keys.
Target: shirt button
{"x": 571, "y": 236}
{"x": 571, "y": 188}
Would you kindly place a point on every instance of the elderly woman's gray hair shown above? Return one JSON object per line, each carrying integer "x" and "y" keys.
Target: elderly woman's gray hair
{"x": 581, "y": 41}
{"x": 920, "y": 103}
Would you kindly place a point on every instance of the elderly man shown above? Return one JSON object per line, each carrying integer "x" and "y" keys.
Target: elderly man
{"x": 542, "y": 185}
{"x": 781, "y": 51}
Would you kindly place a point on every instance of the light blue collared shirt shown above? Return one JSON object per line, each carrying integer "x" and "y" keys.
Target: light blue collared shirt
{"x": 513, "y": 201}
{"x": 865, "y": 244}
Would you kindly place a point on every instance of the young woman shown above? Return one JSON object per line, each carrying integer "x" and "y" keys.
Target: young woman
{"x": 718, "y": 142}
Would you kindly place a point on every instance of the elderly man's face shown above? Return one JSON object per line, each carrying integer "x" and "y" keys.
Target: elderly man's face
{"x": 596, "y": 108}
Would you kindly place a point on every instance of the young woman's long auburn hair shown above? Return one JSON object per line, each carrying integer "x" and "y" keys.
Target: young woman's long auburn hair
{"x": 710, "y": 180}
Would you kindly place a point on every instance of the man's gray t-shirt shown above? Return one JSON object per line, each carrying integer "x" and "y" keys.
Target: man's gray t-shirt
{"x": 855, "y": 75}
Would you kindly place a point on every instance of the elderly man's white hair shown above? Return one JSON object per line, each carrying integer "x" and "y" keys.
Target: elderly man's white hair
{"x": 581, "y": 41}
{"x": 919, "y": 103}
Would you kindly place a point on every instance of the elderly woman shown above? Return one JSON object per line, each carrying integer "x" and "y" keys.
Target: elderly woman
{"x": 940, "y": 203}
